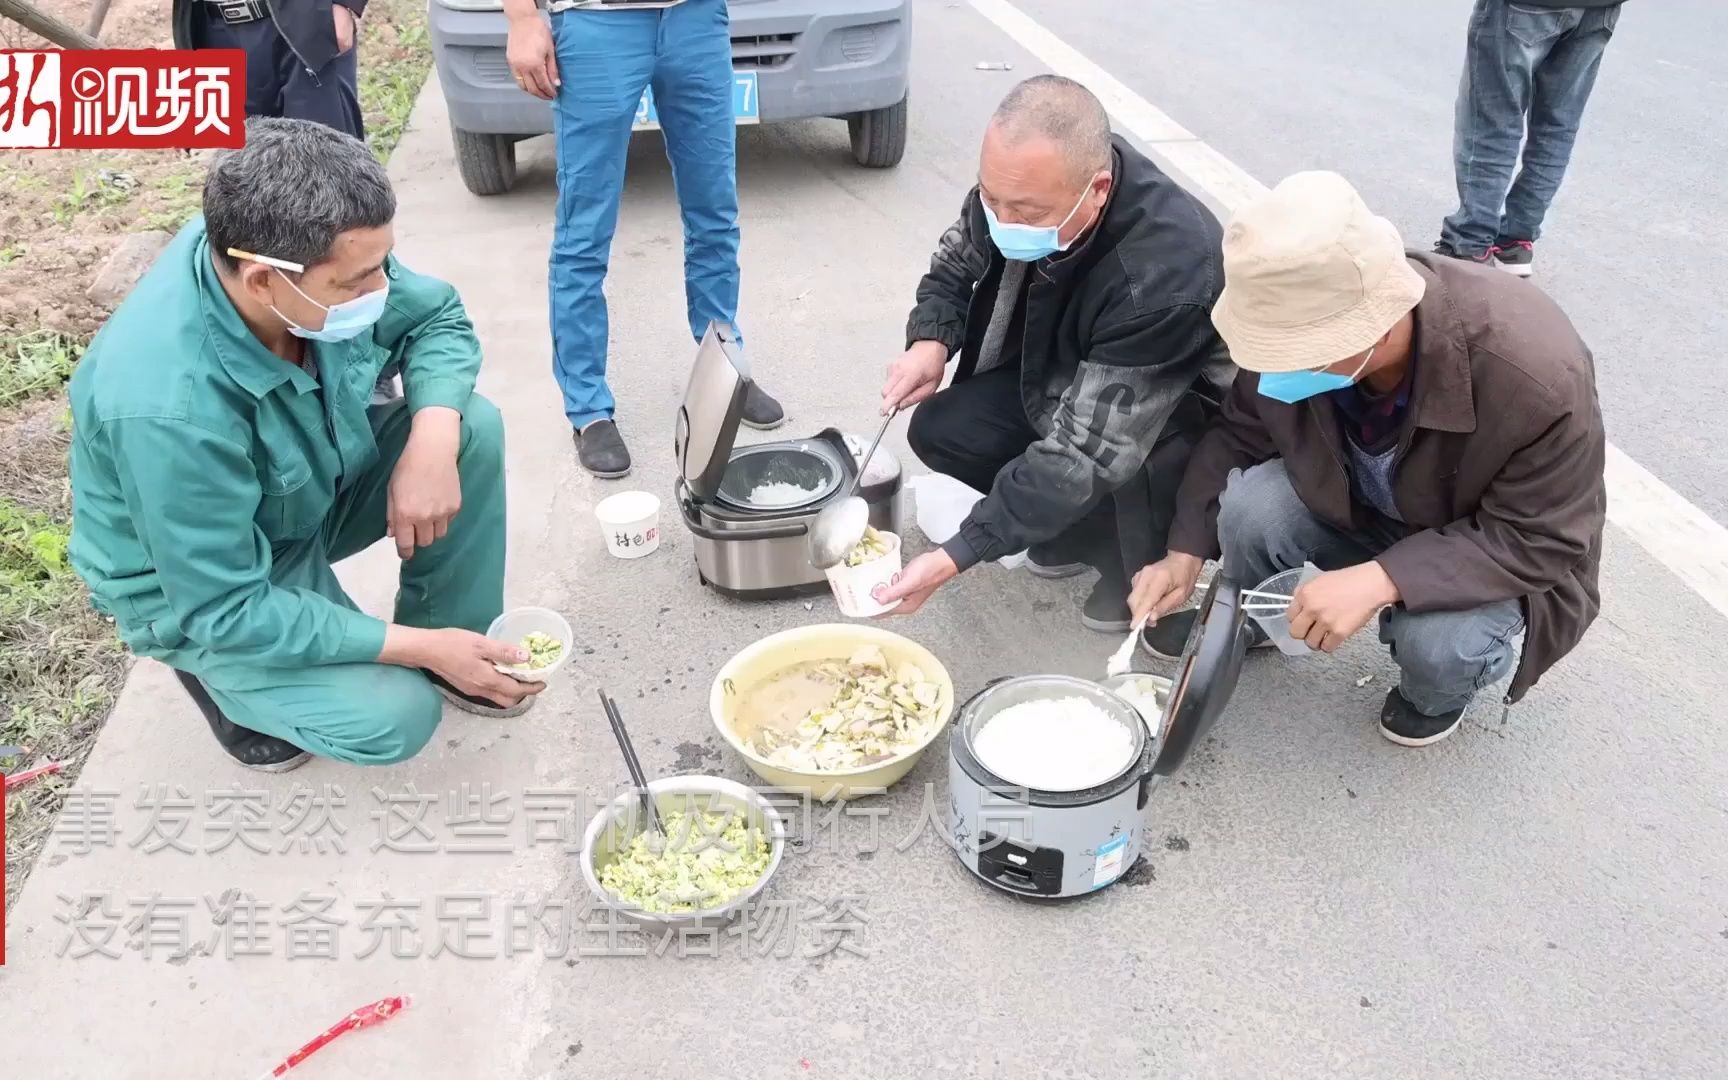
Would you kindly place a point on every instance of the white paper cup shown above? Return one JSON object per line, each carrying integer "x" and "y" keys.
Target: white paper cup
{"x": 852, "y": 585}
{"x": 630, "y": 522}
{"x": 518, "y": 623}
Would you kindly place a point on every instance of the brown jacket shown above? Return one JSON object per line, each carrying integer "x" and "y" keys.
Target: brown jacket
{"x": 1499, "y": 474}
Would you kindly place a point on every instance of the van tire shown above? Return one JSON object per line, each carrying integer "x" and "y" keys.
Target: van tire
{"x": 487, "y": 162}
{"x": 879, "y": 136}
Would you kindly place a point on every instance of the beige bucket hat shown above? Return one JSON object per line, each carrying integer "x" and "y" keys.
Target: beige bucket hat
{"x": 1311, "y": 276}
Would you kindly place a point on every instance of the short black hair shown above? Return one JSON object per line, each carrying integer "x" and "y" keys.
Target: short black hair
{"x": 291, "y": 190}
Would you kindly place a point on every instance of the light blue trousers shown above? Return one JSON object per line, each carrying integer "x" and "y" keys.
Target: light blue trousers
{"x": 605, "y": 61}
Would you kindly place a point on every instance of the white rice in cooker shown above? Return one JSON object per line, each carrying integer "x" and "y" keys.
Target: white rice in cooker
{"x": 1066, "y": 744}
{"x": 779, "y": 493}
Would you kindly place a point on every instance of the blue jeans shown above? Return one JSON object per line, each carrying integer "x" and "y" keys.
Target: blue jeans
{"x": 1444, "y": 657}
{"x": 605, "y": 60}
{"x": 1522, "y": 66}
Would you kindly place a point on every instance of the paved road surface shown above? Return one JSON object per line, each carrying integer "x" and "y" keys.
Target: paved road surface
{"x": 1540, "y": 897}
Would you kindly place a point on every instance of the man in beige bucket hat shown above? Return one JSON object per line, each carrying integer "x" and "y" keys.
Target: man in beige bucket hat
{"x": 1425, "y": 431}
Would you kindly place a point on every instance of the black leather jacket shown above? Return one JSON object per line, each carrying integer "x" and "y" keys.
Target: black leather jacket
{"x": 1118, "y": 355}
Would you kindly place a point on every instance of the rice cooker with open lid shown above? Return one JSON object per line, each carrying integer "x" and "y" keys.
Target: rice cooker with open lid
{"x": 1050, "y": 844}
{"x": 749, "y": 507}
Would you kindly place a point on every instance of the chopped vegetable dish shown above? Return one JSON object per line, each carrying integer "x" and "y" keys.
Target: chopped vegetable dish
{"x": 704, "y": 861}
{"x": 874, "y": 715}
{"x": 872, "y": 547}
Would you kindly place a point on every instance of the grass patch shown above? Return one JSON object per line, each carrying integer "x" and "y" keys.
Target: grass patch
{"x": 179, "y": 196}
{"x": 93, "y": 189}
{"x": 60, "y": 661}
{"x": 35, "y": 363}
{"x": 395, "y": 57}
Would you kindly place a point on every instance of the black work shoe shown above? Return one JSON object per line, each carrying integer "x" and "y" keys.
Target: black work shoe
{"x": 1480, "y": 258}
{"x": 253, "y": 749}
{"x": 1400, "y": 722}
{"x": 1166, "y": 638}
{"x": 1106, "y": 606}
{"x": 479, "y": 706}
{"x": 1516, "y": 257}
{"x": 1045, "y": 561}
{"x": 601, "y": 450}
{"x": 761, "y": 411}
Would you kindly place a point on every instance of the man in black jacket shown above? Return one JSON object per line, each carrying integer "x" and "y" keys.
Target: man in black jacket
{"x": 1529, "y": 67}
{"x": 300, "y": 55}
{"x": 1076, "y": 288}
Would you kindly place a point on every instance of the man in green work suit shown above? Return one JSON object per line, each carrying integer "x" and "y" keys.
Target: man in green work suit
{"x": 225, "y": 455}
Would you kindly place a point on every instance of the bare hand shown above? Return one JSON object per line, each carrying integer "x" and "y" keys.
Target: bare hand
{"x": 425, "y": 489}
{"x": 464, "y": 659}
{"x": 913, "y": 585}
{"x": 343, "y": 19}
{"x": 532, "y": 58}
{"x": 914, "y": 375}
{"x": 1164, "y": 586}
{"x": 1327, "y": 610}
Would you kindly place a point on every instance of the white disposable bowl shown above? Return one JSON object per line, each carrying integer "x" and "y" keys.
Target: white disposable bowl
{"x": 518, "y": 623}
{"x": 630, "y": 523}
{"x": 852, "y": 585}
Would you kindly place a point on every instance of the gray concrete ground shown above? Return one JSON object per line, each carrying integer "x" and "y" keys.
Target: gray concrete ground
{"x": 1539, "y": 897}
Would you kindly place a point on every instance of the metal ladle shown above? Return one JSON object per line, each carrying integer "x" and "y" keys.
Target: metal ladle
{"x": 840, "y": 525}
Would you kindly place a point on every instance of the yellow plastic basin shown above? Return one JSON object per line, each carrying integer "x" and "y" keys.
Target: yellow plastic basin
{"x": 830, "y": 641}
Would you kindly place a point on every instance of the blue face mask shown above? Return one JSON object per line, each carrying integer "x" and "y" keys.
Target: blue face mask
{"x": 349, "y": 319}
{"x": 1029, "y": 243}
{"x": 1291, "y": 387}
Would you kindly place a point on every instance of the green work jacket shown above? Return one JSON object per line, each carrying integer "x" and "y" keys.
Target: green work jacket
{"x": 200, "y": 459}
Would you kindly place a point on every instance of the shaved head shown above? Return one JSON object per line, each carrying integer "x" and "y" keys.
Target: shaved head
{"x": 1062, "y": 112}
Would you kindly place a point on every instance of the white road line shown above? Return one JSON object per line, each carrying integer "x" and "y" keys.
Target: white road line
{"x": 1689, "y": 542}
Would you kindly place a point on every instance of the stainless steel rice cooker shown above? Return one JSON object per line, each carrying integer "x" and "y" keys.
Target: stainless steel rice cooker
{"x": 749, "y": 507}
{"x": 1050, "y": 844}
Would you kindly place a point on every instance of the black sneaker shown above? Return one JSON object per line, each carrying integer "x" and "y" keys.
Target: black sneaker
{"x": 1106, "y": 606}
{"x": 1400, "y": 722}
{"x": 1480, "y": 258}
{"x": 761, "y": 411}
{"x": 253, "y": 749}
{"x": 1047, "y": 561}
{"x": 601, "y": 450}
{"x": 1516, "y": 257}
{"x": 479, "y": 706}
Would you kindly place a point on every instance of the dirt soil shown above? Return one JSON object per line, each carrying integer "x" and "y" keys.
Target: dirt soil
{"x": 61, "y": 212}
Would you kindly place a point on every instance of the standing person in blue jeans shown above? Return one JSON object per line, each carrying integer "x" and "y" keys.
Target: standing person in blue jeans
{"x": 593, "y": 64}
{"x": 1528, "y": 70}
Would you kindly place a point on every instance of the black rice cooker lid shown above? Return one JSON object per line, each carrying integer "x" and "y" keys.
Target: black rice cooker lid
{"x": 707, "y": 426}
{"x": 1206, "y": 677}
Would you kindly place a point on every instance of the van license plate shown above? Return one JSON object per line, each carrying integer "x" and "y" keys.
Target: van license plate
{"x": 746, "y": 107}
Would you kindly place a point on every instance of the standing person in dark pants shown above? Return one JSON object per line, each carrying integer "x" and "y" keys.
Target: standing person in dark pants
{"x": 300, "y": 54}
{"x": 1528, "y": 70}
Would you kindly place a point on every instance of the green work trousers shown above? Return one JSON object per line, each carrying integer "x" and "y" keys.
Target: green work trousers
{"x": 372, "y": 714}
